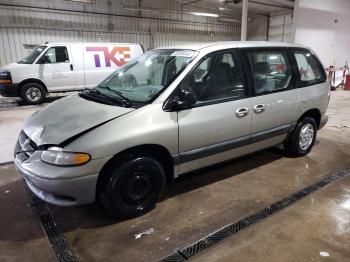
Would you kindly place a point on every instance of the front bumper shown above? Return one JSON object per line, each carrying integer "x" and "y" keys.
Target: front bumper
{"x": 63, "y": 186}
{"x": 63, "y": 192}
{"x": 10, "y": 90}
{"x": 323, "y": 122}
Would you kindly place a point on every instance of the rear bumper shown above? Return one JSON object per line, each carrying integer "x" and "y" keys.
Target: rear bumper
{"x": 10, "y": 90}
{"x": 323, "y": 122}
{"x": 62, "y": 192}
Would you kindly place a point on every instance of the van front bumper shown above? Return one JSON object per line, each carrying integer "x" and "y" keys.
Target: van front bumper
{"x": 10, "y": 90}
{"x": 73, "y": 191}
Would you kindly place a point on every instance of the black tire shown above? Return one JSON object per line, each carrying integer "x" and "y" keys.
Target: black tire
{"x": 133, "y": 187}
{"x": 32, "y": 93}
{"x": 294, "y": 145}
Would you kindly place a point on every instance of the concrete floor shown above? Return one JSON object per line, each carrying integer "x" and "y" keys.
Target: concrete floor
{"x": 203, "y": 202}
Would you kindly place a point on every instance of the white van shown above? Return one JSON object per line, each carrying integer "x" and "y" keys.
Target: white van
{"x": 60, "y": 67}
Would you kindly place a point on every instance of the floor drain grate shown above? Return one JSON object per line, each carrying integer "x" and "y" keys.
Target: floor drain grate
{"x": 226, "y": 231}
{"x": 62, "y": 250}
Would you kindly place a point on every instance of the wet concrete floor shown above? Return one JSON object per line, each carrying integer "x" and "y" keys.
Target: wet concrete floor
{"x": 21, "y": 234}
{"x": 315, "y": 229}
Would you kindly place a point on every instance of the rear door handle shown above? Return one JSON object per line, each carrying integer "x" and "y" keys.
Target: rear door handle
{"x": 242, "y": 112}
{"x": 71, "y": 67}
{"x": 259, "y": 108}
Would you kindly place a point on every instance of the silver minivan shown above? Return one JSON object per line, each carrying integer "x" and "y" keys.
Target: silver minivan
{"x": 170, "y": 111}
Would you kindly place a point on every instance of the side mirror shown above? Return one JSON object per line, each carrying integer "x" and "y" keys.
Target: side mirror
{"x": 185, "y": 98}
{"x": 44, "y": 59}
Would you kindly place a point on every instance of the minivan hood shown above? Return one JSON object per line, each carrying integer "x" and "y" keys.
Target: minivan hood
{"x": 68, "y": 117}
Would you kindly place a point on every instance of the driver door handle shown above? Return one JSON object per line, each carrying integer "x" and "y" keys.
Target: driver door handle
{"x": 259, "y": 108}
{"x": 242, "y": 112}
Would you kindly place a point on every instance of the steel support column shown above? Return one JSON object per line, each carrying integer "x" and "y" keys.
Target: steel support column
{"x": 244, "y": 20}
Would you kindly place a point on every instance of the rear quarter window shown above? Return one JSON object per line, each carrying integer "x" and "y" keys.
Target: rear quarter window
{"x": 309, "y": 68}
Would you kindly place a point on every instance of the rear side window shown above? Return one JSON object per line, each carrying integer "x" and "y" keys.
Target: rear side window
{"x": 310, "y": 70}
{"x": 271, "y": 71}
{"x": 58, "y": 54}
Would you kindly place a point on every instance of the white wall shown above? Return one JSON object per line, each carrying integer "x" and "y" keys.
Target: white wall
{"x": 314, "y": 25}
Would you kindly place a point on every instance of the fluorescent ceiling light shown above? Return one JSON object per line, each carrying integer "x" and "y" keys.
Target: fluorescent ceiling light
{"x": 84, "y": 1}
{"x": 229, "y": 20}
{"x": 205, "y": 14}
{"x": 346, "y": 204}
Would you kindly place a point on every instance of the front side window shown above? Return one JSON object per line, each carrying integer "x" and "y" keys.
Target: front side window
{"x": 58, "y": 54}
{"x": 271, "y": 71}
{"x": 216, "y": 77}
{"x": 33, "y": 55}
{"x": 145, "y": 77}
{"x": 309, "y": 68}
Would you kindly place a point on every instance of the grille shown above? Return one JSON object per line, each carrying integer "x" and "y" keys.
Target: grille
{"x": 25, "y": 147}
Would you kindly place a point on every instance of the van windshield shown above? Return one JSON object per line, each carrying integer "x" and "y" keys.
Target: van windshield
{"x": 33, "y": 55}
{"x": 145, "y": 77}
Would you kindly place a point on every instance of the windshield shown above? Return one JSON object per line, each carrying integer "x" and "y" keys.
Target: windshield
{"x": 145, "y": 77}
{"x": 33, "y": 55}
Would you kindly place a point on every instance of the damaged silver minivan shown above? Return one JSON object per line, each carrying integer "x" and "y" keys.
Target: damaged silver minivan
{"x": 170, "y": 111}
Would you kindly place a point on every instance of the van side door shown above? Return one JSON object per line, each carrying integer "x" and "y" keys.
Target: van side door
{"x": 218, "y": 124}
{"x": 275, "y": 96}
{"x": 56, "y": 69}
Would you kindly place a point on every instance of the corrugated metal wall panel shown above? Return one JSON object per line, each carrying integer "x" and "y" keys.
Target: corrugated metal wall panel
{"x": 22, "y": 25}
{"x": 258, "y": 28}
{"x": 281, "y": 28}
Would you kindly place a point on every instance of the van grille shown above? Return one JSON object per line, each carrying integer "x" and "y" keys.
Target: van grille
{"x": 24, "y": 148}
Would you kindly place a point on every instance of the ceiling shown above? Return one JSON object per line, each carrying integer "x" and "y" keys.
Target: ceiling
{"x": 234, "y": 7}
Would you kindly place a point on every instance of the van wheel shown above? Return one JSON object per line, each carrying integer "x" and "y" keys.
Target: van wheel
{"x": 33, "y": 93}
{"x": 133, "y": 187}
{"x": 302, "y": 139}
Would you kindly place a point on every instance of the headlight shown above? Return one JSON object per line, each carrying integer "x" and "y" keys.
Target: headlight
{"x": 5, "y": 77}
{"x": 57, "y": 157}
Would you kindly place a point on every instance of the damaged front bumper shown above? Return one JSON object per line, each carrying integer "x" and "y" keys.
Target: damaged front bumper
{"x": 63, "y": 192}
{"x": 63, "y": 186}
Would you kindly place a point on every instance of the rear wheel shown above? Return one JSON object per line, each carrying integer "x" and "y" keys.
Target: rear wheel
{"x": 133, "y": 187}
{"x": 33, "y": 93}
{"x": 303, "y": 138}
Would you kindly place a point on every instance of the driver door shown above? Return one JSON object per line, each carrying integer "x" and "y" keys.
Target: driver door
{"x": 220, "y": 121}
{"x": 56, "y": 69}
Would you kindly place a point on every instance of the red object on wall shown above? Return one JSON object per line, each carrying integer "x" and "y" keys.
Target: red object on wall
{"x": 347, "y": 83}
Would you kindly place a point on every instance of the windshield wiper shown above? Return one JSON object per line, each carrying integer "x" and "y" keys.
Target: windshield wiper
{"x": 125, "y": 100}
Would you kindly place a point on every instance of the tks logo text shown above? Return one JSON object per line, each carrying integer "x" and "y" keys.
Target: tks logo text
{"x": 118, "y": 55}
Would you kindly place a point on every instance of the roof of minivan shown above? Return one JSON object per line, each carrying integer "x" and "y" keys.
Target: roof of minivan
{"x": 231, "y": 44}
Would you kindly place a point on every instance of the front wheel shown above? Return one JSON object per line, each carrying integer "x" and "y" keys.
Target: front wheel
{"x": 303, "y": 138}
{"x": 133, "y": 187}
{"x": 33, "y": 93}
